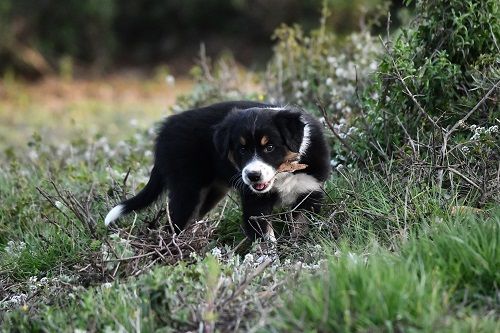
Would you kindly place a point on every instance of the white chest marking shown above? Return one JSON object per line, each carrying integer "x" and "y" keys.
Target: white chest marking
{"x": 290, "y": 186}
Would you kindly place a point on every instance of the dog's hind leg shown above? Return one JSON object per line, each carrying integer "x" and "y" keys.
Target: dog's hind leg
{"x": 184, "y": 205}
{"x": 214, "y": 194}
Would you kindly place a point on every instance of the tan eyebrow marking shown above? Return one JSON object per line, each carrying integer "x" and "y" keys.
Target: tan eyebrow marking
{"x": 242, "y": 140}
{"x": 264, "y": 140}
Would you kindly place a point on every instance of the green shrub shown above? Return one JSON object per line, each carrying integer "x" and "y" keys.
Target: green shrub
{"x": 464, "y": 253}
{"x": 432, "y": 102}
{"x": 110, "y": 33}
{"x": 216, "y": 81}
{"x": 437, "y": 70}
{"x": 431, "y": 74}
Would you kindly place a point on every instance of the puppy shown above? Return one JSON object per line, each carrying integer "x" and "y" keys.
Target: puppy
{"x": 201, "y": 153}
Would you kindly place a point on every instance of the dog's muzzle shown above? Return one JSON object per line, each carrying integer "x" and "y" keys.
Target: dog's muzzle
{"x": 259, "y": 176}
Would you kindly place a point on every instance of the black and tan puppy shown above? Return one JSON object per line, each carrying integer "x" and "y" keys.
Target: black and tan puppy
{"x": 201, "y": 153}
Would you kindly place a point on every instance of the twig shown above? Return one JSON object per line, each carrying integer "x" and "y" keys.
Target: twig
{"x": 461, "y": 121}
{"x": 368, "y": 129}
{"x": 332, "y": 129}
{"x": 51, "y": 201}
{"x": 412, "y": 143}
{"x": 468, "y": 180}
{"x": 447, "y": 134}
{"x": 282, "y": 213}
{"x": 130, "y": 258}
{"x": 125, "y": 178}
{"x": 247, "y": 281}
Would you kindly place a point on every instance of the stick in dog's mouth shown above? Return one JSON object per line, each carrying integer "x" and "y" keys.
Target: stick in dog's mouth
{"x": 291, "y": 164}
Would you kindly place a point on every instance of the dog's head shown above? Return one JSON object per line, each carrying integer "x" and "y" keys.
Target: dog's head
{"x": 257, "y": 141}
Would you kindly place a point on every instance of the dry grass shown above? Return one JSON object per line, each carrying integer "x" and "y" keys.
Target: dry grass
{"x": 57, "y": 108}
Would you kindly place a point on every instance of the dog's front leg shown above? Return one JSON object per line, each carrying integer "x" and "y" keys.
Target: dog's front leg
{"x": 257, "y": 226}
{"x": 255, "y": 208}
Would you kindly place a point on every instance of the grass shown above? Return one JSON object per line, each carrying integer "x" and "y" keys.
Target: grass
{"x": 447, "y": 276}
{"x": 390, "y": 252}
{"x": 386, "y": 254}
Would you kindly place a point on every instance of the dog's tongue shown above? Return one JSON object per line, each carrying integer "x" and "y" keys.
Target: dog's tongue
{"x": 260, "y": 186}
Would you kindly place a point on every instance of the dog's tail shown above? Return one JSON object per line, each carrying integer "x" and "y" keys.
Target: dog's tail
{"x": 145, "y": 197}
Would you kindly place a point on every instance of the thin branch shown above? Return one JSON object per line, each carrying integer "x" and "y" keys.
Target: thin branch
{"x": 468, "y": 180}
{"x": 461, "y": 121}
{"x": 332, "y": 129}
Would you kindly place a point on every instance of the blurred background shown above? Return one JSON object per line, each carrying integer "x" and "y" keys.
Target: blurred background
{"x": 95, "y": 65}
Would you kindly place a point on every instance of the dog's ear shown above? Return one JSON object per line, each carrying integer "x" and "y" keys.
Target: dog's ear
{"x": 221, "y": 138}
{"x": 291, "y": 128}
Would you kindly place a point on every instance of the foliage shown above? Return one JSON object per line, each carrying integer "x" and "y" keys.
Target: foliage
{"x": 368, "y": 216}
{"x": 320, "y": 66}
{"x": 436, "y": 85}
{"x": 446, "y": 62}
{"x": 324, "y": 73}
{"x": 54, "y": 29}
{"x": 107, "y": 34}
{"x": 170, "y": 299}
{"x": 430, "y": 102}
{"x": 177, "y": 297}
{"x": 216, "y": 81}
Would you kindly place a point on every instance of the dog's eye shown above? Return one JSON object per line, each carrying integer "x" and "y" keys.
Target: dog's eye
{"x": 269, "y": 148}
{"x": 243, "y": 150}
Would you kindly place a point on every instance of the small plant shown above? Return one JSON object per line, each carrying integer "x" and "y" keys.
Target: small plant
{"x": 398, "y": 245}
{"x": 321, "y": 66}
{"x": 217, "y": 81}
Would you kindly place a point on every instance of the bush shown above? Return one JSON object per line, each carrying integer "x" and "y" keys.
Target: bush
{"x": 35, "y": 36}
{"x": 434, "y": 73}
{"x": 436, "y": 82}
{"x": 320, "y": 66}
{"x": 323, "y": 72}
{"x": 54, "y": 29}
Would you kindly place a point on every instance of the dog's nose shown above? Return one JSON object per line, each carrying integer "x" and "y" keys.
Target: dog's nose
{"x": 254, "y": 176}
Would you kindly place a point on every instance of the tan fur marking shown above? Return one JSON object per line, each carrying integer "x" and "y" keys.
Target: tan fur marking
{"x": 264, "y": 140}
{"x": 242, "y": 140}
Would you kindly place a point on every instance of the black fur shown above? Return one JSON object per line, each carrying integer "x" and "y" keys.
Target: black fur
{"x": 201, "y": 153}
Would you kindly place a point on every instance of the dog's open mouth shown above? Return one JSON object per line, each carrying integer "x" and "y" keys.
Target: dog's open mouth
{"x": 261, "y": 186}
